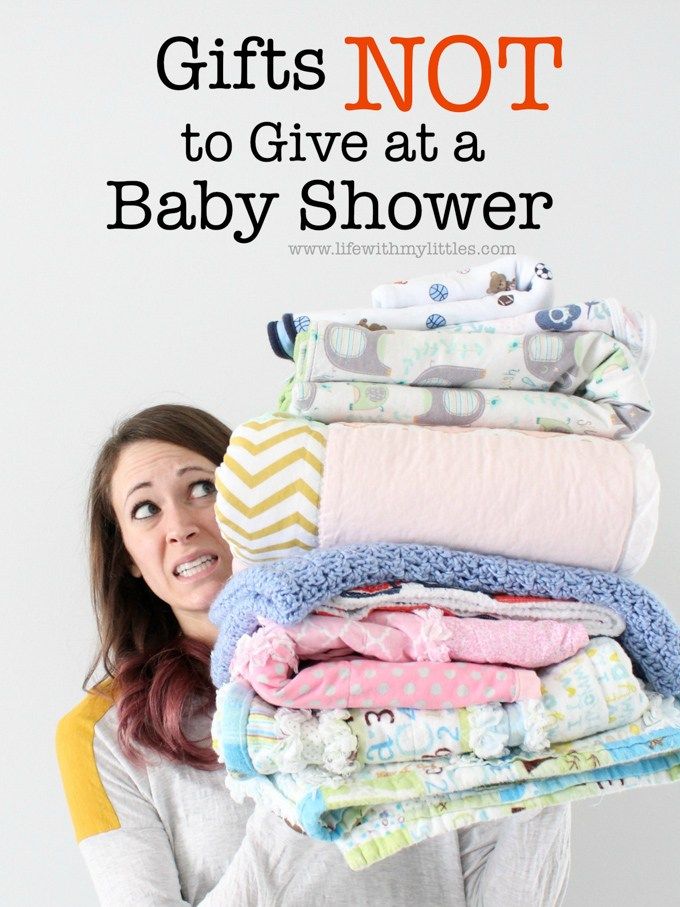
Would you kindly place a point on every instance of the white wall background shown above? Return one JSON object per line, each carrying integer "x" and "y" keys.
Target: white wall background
{"x": 100, "y": 323}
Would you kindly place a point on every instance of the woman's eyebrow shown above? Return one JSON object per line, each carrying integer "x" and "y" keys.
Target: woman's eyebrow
{"x": 185, "y": 469}
{"x": 180, "y": 472}
{"x": 137, "y": 487}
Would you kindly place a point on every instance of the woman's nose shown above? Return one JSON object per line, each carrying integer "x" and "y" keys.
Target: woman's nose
{"x": 181, "y": 527}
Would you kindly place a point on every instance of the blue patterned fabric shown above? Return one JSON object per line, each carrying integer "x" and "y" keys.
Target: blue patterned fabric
{"x": 286, "y": 591}
{"x": 236, "y": 699}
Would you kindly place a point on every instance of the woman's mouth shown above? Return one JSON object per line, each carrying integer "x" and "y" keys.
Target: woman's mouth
{"x": 201, "y": 564}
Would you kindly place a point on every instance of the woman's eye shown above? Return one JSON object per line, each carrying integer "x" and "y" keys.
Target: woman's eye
{"x": 203, "y": 489}
{"x": 144, "y": 510}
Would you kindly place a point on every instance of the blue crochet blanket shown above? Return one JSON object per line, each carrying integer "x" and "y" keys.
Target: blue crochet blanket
{"x": 286, "y": 591}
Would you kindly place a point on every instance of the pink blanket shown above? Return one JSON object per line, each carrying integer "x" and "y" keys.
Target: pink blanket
{"x": 421, "y": 660}
{"x": 428, "y": 635}
{"x": 291, "y": 485}
{"x": 567, "y": 499}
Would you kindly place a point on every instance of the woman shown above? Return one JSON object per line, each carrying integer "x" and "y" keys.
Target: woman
{"x": 150, "y": 810}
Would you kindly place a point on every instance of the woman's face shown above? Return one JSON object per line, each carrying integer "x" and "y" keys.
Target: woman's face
{"x": 163, "y": 497}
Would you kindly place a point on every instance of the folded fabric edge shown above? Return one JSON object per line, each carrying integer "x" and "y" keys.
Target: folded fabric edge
{"x": 275, "y": 341}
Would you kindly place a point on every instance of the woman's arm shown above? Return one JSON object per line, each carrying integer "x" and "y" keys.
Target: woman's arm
{"x": 140, "y": 836}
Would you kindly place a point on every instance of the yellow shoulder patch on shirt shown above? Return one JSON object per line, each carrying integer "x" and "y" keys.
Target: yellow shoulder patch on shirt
{"x": 91, "y": 810}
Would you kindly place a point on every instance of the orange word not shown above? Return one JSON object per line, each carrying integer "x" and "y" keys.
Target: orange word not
{"x": 403, "y": 96}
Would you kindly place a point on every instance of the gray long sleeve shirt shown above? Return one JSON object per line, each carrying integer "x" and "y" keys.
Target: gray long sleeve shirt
{"x": 160, "y": 834}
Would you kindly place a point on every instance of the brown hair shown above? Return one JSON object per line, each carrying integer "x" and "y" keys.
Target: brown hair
{"x": 160, "y": 675}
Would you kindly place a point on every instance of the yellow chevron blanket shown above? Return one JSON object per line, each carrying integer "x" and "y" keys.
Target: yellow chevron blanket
{"x": 289, "y": 485}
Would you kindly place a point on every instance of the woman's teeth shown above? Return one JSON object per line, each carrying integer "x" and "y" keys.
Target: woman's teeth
{"x": 195, "y": 566}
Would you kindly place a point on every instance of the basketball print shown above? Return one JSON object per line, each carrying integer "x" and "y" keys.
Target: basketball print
{"x": 438, "y": 292}
{"x": 435, "y": 321}
{"x": 301, "y": 323}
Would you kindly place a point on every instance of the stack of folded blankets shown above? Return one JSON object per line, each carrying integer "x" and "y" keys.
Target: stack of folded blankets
{"x": 434, "y": 626}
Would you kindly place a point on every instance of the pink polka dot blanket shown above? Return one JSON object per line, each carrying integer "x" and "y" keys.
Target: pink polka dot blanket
{"x": 421, "y": 659}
